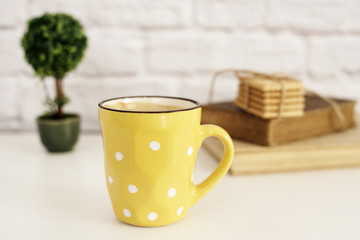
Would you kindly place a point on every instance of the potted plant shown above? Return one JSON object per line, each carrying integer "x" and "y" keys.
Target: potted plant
{"x": 54, "y": 44}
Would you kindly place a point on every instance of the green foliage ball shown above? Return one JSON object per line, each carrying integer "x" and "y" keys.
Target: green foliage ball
{"x": 54, "y": 44}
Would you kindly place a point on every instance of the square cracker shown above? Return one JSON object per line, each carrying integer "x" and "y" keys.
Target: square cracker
{"x": 272, "y": 101}
{"x": 266, "y": 84}
{"x": 277, "y": 93}
{"x": 271, "y": 114}
{"x": 271, "y": 108}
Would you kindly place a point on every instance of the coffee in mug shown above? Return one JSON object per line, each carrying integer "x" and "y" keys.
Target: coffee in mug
{"x": 139, "y": 106}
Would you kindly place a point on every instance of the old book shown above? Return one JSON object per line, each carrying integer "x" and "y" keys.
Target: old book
{"x": 336, "y": 150}
{"x": 319, "y": 118}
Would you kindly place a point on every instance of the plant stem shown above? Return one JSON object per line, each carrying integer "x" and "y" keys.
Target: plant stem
{"x": 59, "y": 96}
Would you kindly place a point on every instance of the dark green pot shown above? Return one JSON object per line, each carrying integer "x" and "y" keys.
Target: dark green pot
{"x": 59, "y": 135}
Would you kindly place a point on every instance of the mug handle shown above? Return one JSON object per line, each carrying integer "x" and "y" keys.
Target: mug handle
{"x": 208, "y": 130}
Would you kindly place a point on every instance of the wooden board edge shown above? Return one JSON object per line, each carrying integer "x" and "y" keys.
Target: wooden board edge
{"x": 334, "y": 158}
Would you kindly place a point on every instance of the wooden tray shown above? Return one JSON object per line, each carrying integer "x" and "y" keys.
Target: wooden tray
{"x": 336, "y": 150}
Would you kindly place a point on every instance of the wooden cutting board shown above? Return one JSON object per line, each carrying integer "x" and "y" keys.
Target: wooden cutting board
{"x": 336, "y": 150}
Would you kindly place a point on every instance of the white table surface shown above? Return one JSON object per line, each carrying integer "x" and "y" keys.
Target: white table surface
{"x": 64, "y": 196}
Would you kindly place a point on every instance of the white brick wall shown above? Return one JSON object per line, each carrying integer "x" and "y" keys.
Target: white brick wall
{"x": 247, "y": 14}
{"x": 204, "y": 51}
{"x": 314, "y": 16}
{"x": 123, "y": 13}
{"x": 11, "y": 55}
{"x": 334, "y": 55}
{"x": 12, "y": 13}
{"x": 112, "y": 52}
{"x": 171, "y": 47}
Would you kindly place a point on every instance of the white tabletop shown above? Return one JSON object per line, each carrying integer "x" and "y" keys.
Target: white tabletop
{"x": 64, "y": 196}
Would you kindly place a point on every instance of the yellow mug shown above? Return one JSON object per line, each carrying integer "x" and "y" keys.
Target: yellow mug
{"x": 150, "y": 146}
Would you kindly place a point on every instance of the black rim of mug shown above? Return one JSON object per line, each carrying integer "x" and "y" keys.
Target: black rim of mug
{"x": 197, "y": 104}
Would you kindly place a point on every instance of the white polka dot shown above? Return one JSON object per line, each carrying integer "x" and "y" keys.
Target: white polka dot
{"x": 152, "y": 216}
{"x": 132, "y": 188}
{"x": 171, "y": 193}
{"x": 179, "y": 211}
{"x": 154, "y": 145}
{"x": 110, "y": 179}
{"x": 190, "y": 151}
{"x": 118, "y": 156}
{"x": 127, "y": 212}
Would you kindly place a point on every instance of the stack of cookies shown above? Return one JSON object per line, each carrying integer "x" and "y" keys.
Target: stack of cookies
{"x": 271, "y": 98}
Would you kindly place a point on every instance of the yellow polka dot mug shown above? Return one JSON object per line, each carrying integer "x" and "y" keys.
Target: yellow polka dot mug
{"x": 150, "y": 146}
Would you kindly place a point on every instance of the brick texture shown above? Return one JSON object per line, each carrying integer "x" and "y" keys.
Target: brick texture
{"x": 230, "y": 13}
{"x": 171, "y": 47}
{"x": 112, "y": 52}
{"x": 12, "y": 13}
{"x": 314, "y": 15}
{"x": 9, "y": 98}
{"x": 196, "y": 51}
{"x": 333, "y": 55}
{"x": 126, "y": 13}
{"x": 12, "y": 57}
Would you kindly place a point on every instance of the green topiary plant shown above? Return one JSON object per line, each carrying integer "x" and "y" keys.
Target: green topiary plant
{"x": 54, "y": 44}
